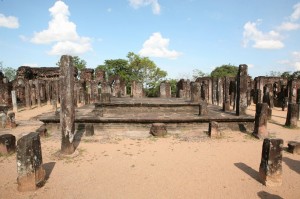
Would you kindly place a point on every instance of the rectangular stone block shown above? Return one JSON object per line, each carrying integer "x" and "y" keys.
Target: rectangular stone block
{"x": 158, "y": 129}
{"x": 31, "y": 174}
{"x": 89, "y": 130}
{"x": 270, "y": 168}
{"x": 7, "y": 144}
{"x": 203, "y": 110}
{"x": 294, "y": 147}
{"x": 213, "y": 130}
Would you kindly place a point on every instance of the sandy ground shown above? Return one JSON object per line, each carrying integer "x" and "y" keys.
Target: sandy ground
{"x": 155, "y": 167}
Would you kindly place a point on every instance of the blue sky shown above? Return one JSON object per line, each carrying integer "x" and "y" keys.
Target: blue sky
{"x": 178, "y": 35}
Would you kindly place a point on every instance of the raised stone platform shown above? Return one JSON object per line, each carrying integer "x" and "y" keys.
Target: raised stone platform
{"x": 131, "y": 114}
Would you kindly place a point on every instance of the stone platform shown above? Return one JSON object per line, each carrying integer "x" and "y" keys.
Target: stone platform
{"x": 138, "y": 114}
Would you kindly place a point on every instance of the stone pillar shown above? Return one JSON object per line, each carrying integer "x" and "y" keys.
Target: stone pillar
{"x": 203, "y": 108}
{"x": 292, "y": 115}
{"x": 292, "y": 86}
{"x": 226, "y": 100}
{"x": 14, "y": 101}
{"x": 220, "y": 92}
{"x": 32, "y": 93}
{"x": 213, "y": 130}
{"x": 158, "y": 129}
{"x": 29, "y": 163}
{"x": 261, "y": 121}
{"x": 67, "y": 109}
{"x": 195, "y": 92}
{"x": 48, "y": 92}
{"x": 10, "y": 120}
{"x": 242, "y": 86}
{"x": 270, "y": 168}
{"x": 37, "y": 89}
{"x": 294, "y": 147}
{"x": 162, "y": 90}
{"x": 27, "y": 95}
{"x": 105, "y": 98}
{"x": 7, "y": 144}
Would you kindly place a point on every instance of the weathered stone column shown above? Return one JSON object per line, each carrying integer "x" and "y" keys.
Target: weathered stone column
{"x": 37, "y": 91}
{"x": 292, "y": 115}
{"x": 226, "y": 100}
{"x": 29, "y": 162}
{"x": 261, "y": 121}
{"x": 32, "y": 93}
{"x": 195, "y": 92}
{"x": 67, "y": 109}
{"x": 27, "y": 95}
{"x": 242, "y": 86}
{"x": 14, "y": 101}
{"x": 162, "y": 90}
{"x": 48, "y": 92}
{"x": 270, "y": 168}
{"x": 203, "y": 110}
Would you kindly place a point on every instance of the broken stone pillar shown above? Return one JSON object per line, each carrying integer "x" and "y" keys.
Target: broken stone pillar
{"x": 7, "y": 144}
{"x": 42, "y": 131}
{"x": 203, "y": 110}
{"x": 10, "y": 120}
{"x": 226, "y": 100}
{"x": 67, "y": 108}
{"x": 220, "y": 92}
{"x": 158, "y": 129}
{"x": 261, "y": 121}
{"x": 269, "y": 113}
{"x": 292, "y": 86}
{"x": 89, "y": 130}
{"x": 270, "y": 168}
{"x": 14, "y": 101}
{"x": 292, "y": 115}
{"x": 137, "y": 89}
{"x": 213, "y": 130}
{"x": 32, "y": 93}
{"x": 48, "y": 93}
{"x": 242, "y": 86}
{"x": 29, "y": 163}
{"x": 294, "y": 147}
{"x": 195, "y": 92}
{"x": 162, "y": 90}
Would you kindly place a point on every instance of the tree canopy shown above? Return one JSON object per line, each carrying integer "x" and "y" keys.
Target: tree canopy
{"x": 225, "y": 71}
{"x": 8, "y": 72}
{"x": 136, "y": 68}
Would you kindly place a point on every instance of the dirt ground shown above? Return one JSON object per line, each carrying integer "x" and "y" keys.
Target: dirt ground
{"x": 170, "y": 167}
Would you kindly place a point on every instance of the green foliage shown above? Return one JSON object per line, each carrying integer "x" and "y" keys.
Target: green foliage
{"x": 78, "y": 63}
{"x": 173, "y": 83}
{"x": 136, "y": 68}
{"x": 10, "y": 73}
{"x": 198, "y": 73}
{"x": 225, "y": 71}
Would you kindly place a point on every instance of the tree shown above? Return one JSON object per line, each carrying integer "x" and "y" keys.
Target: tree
{"x": 225, "y": 71}
{"x": 198, "y": 73}
{"x": 274, "y": 74}
{"x": 78, "y": 63}
{"x": 10, "y": 73}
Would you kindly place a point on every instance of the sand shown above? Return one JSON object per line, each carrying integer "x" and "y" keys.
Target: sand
{"x": 170, "y": 167}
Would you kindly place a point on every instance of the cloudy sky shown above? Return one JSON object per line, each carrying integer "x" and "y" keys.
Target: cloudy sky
{"x": 178, "y": 35}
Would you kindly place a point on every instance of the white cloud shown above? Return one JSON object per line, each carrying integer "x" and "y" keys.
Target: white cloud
{"x": 24, "y": 38}
{"x": 9, "y": 22}
{"x": 140, "y": 3}
{"x": 157, "y": 46}
{"x": 269, "y": 40}
{"x": 63, "y": 32}
{"x": 294, "y": 62}
{"x": 250, "y": 65}
{"x": 31, "y": 65}
{"x": 288, "y": 26}
{"x": 296, "y": 14}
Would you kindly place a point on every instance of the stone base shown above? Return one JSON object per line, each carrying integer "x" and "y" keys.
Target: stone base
{"x": 294, "y": 147}
{"x": 31, "y": 182}
{"x": 158, "y": 129}
{"x": 89, "y": 130}
{"x": 270, "y": 181}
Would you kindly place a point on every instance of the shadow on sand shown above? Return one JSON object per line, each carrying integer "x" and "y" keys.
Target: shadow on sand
{"x": 248, "y": 170}
{"x": 266, "y": 195}
{"x": 292, "y": 164}
{"x": 48, "y": 168}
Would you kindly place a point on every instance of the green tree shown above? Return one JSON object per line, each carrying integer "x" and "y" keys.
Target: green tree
{"x": 10, "y": 73}
{"x": 198, "y": 73}
{"x": 286, "y": 74}
{"x": 116, "y": 67}
{"x": 274, "y": 74}
{"x": 225, "y": 71}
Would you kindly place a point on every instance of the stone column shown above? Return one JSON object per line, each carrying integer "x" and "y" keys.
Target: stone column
{"x": 220, "y": 92}
{"x": 27, "y": 95}
{"x": 14, "y": 101}
{"x": 48, "y": 92}
{"x": 37, "y": 89}
{"x": 292, "y": 86}
{"x": 195, "y": 92}
{"x": 292, "y": 115}
{"x": 226, "y": 100}
{"x": 29, "y": 162}
{"x": 162, "y": 90}
{"x": 7, "y": 144}
{"x": 261, "y": 121}
{"x": 242, "y": 86}
{"x": 270, "y": 168}
{"x": 67, "y": 109}
{"x": 213, "y": 130}
{"x": 32, "y": 93}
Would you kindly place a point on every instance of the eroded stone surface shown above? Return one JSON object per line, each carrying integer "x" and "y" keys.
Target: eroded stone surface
{"x": 294, "y": 147}
{"x": 158, "y": 129}
{"x": 31, "y": 174}
{"x": 292, "y": 115}
{"x": 7, "y": 144}
{"x": 261, "y": 121}
{"x": 213, "y": 130}
{"x": 270, "y": 168}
